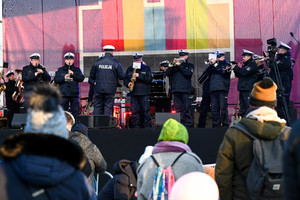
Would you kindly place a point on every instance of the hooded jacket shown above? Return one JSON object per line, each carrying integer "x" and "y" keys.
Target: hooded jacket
{"x": 236, "y": 151}
{"x": 123, "y": 185}
{"x": 45, "y": 162}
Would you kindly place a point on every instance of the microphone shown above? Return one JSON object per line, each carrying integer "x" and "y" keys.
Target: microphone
{"x": 292, "y": 34}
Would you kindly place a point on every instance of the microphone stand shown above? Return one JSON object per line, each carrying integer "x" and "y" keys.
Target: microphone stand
{"x": 292, "y": 34}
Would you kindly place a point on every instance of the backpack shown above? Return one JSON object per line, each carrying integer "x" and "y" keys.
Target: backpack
{"x": 163, "y": 181}
{"x": 265, "y": 177}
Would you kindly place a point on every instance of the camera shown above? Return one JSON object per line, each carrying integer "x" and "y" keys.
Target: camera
{"x": 272, "y": 47}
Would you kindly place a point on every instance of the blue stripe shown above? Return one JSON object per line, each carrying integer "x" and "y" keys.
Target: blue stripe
{"x": 155, "y": 35}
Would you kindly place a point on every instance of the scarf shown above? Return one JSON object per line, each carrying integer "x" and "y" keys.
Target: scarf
{"x": 170, "y": 146}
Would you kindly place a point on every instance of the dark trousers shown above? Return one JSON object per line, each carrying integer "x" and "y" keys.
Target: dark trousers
{"x": 163, "y": 105}
{"x": 280, "y": 107}
{"x": 204, "y": 109}
{"x": 140, "y": 105}
{"x": 72, "y": 103}
{"x": 219, "y": 109}
{"x": 103, "y": 104}
{"x": 12, "y": 108}
{"x": 182, "y": 105}
{"x": 244, "y": 102}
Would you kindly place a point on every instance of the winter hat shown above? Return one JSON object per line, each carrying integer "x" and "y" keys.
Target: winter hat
{"x": 45, "y": 115}
{"x": 264, "y": 93}
{"x": 173, "y": 131}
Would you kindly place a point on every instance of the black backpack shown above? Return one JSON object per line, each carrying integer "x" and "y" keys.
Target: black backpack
{"x": 265, "y": 177}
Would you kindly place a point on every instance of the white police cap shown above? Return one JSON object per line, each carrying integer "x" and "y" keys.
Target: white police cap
{"x": 247, "y": 53}
{"x": 10, "y": 72}
{"x": 35, "y": 56}
{"x": 109, "y": 48}
{"x": 137, "y": 55}
{"x": 220, "y": 53}
{"x": 183, "y": 52}
{"x": 69, "y": 55}
{"x": 164, "y": 63}
{"x": 256, "y": 57}
{"x": 284, "y": 46}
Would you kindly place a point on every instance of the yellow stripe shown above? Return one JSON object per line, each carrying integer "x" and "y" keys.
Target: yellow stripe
{"x": 133, "y": 20}
{"x": 196, "y": 24}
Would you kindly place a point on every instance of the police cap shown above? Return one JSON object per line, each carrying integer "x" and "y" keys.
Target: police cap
{"x": 108, "y": 48}
{"x": 69, "y": 55}
{"x": 137, "y": 55}
{"x": 183, "y": 52}
{"x": 220, "y": 54}
{"x": 247, "y": 53}
{"x": 164, "y": 63}
{"x": 35, "y": 56}
{"x": 284, "y": 46}
{"x": 10, "y": 72}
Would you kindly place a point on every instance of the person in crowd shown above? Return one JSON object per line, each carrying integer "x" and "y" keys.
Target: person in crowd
{"x": 285, "y": 73}
{"x": 11, "y": 105}
{"x": 247, "y": 75}
{"x": 124, "y": 183}
{"x": 172, "y": 141}
{"x": 104, "y": 76}
{"x": 95, "y": 158}
{"x": 262, "y": 71}
{"x": 219, "y": 87}
{"x": 140, "y": 90}
{"x": 236, "y": 150}
{"x": 291, "y": 164}
{"x": 34, "y": 74}
{"x": 181, "y": 74}
{"x": 68, "y": 78}
{"x": 42, "y": 163}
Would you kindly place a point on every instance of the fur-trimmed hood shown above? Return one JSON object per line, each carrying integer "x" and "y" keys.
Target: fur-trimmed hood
{"x": 42, "y": 160}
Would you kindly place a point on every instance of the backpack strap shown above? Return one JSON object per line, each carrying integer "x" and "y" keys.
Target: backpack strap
{"x": 178, "y": 158}
{"x": 155, "y": 161}
{"x": 244, "y": 129}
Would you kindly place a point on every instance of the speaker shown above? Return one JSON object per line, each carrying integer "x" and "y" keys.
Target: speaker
{"x": 162, "y": 117}
{"x": 102, "y": 121}
{"x": 87, "y": 120}
{"x": 19, "y": 120}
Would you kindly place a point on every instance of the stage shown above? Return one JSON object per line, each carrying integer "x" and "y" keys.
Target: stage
{"x": 117, "y": 144}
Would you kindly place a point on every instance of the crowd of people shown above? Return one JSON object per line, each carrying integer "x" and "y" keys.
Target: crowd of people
{"x": 55, "y": 159}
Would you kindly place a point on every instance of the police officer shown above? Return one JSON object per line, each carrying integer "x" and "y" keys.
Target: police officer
{"x": 219, "y": 87}
{"x": 34, "y": 74}
{"x": 247, "y": 75}
{"x": 104, "y": 76}
{"x": 68, "y": 77}
{"x": 262, "y": 70}
{"x": 284, "y": 64}
{"x": 163, "y": 104}
{"x": 140, "y": 103}
{"x": 181, "y": 74}
{"x": 12, "y": 106}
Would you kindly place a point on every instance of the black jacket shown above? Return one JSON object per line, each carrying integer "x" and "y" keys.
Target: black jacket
{"x": 123, "y": 185}
{"x": 10, "y": 89}
{"x": 247, "y": 75}
{"x": 68, "y": 89}
{"x": 220, "y": 78}
{"x": 142, "y": 83}
{"x": 181, "y": 77}
{"x": 284, "y": 64}
{"x": 30, "y": 80}
{"x": 105, "y": 73}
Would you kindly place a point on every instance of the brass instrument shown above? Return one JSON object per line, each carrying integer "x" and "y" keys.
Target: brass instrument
{"x": 232, "y": 65}
{"x": 18, "y": 96}
{"x": 206, "y": 61}
{"x": 133, "y": 79}
{"x": 180, "y": 60}
{"x": 2, "y": 86}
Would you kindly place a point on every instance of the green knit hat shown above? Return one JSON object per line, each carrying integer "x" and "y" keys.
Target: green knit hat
{"x": 173, "y": 131}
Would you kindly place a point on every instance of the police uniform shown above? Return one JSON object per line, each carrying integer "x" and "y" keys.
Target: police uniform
{"x": 29, "y": 78}
{"x": 284, "y": 64}
{"x": 12, "y": 106}
{"x": 219, "y": 87}
{"x": 140, "y": 103}
{"x": 163, "y": 104}
{"x": 104, "y": 76}
{"x": 69, "y": 88}
{"x": 181, "y": 88}
{"x": 247, "y": 75}
{"x": 262, "y": 71}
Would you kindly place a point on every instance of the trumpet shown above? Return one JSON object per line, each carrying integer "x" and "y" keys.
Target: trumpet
{"x": 178, "y": 60}
{"x": 206, "y": 61}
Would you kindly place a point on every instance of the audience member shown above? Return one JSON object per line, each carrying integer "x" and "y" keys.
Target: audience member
{"x": 172, "y": 142}
{"x": 92, "y": 152}
{"x": 291, "y": 164}
{"x": 42, "y": 163}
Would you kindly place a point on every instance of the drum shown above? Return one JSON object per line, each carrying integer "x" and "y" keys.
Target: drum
{"x": 160, "y": 86}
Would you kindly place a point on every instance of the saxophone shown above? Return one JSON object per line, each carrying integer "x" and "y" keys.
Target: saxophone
{"x": 133, "y": 79}
{"x": 2, "y": 86}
